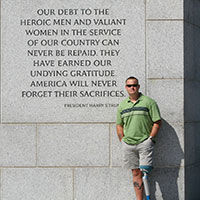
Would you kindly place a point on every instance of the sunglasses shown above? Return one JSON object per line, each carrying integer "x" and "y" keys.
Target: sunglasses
{"x": 134, "y": 85}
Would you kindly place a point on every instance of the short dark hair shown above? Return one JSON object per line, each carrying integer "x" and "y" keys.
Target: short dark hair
{"x": 131, "y": 77}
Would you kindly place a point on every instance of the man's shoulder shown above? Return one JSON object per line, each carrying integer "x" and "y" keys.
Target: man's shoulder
{"x": 148, "y": 99}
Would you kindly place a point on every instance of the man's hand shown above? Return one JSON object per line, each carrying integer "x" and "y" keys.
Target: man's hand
{"x": 120, "y": 132}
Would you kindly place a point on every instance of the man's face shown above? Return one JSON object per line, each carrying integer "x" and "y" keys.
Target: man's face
{"x": 132, "y": 87}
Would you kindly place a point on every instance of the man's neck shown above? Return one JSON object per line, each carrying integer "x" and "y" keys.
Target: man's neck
{"x": 135, "y": 97}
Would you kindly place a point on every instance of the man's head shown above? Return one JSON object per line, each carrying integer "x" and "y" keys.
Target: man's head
{"x": 132, "y": 86}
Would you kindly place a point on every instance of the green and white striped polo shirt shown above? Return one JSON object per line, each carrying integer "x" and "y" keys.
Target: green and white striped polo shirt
{"x": 137, "y": 118}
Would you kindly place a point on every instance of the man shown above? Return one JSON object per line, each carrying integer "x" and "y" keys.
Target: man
{"x": 138, "y": 122}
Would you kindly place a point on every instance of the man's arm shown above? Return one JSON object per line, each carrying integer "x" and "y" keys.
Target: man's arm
{"x": 155, "y": 128}
{"x": 120, "y": 132}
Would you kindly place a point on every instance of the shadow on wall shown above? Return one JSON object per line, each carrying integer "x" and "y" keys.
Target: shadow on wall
{"x": 167, "y": 161}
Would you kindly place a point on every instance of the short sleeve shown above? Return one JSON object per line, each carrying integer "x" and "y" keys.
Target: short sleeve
{"x": 119, "y": 120}
{"x": 154, "y": 112}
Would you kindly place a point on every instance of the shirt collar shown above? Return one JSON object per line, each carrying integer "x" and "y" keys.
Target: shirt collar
{"x": 139, "y": 99}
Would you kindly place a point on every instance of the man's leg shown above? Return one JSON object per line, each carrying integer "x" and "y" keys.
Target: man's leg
{"x": 131, "y": 161}
{"x": 146, "y": 160}
{"x": 137, "y": 183}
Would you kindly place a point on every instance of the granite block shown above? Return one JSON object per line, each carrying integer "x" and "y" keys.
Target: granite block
{"x": 17, "y": 145}
{"x": 193, "y": 181}
{"x": 168, "y": 9}
{"x": 46, "y": 100}
{"x": 191, "y": 101}
{"x": 0, "y": 103}
{"x": 191, "y": 52}
{"x": 116, "y": 148}
{"x": 1, "y": 184}
{"x": 167, "y": 184}
{"x": 73, "y": 145}
{"x": 171, "y": 135}
{"x": 169, "y": 148}
{"x": 34, "y": 184}
{"x": 168, "y": 93}
{"x": 192, "y": 141}
{"x": 191, "y": 11}
{"x": 103, "y": 183}
{"x": 116, "y": 184}
{"x": 165, "y": 49}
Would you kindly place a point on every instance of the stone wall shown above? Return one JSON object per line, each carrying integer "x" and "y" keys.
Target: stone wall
{"x": 49, "y": 150}
{"x": 191, "y": 98}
